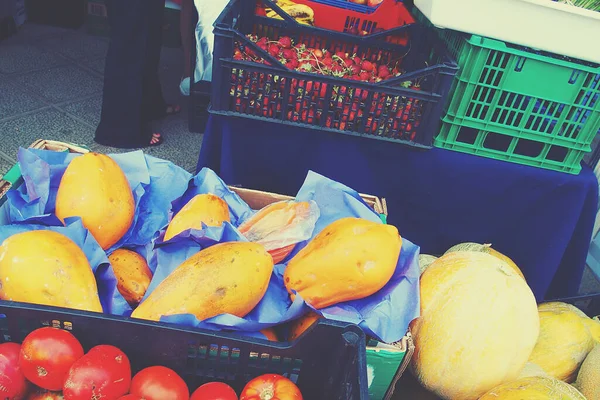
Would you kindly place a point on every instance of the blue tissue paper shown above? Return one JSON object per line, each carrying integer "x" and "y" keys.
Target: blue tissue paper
{"x": 385, "y": 315}
{"x": 155, "y": 184}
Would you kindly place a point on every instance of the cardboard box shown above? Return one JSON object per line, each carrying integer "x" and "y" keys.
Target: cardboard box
{"x": 97, "y": 22}
{"x": 385, "y": 362}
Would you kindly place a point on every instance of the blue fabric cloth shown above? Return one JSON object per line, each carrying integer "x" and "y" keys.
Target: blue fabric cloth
{"x": 541, "y": 219}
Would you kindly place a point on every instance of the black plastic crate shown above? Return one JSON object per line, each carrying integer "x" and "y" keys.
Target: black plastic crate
{"x": 328, "y": 362}
{"x": 385, "y": 110}
{"x": 588, "y": 303}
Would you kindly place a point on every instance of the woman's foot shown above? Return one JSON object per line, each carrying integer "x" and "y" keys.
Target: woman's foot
{"x": 156, "y": 139}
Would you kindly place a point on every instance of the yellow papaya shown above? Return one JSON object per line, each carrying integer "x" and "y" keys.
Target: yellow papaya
{"x": 133, "y": 275}
{"x": 300, "y": 325}
{"x": 225, "y": 278}
{"x": 350, "y": 259}
{"x": 207, "y": 208}
{"x": 95, "y": 188}
{"x": 47, "y": 268}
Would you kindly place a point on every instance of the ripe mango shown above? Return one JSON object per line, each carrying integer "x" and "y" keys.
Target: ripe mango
{"x": 133, "y": 275}
{"x": 350, "y": 259}
{"x": 226, "y": 278}
{"x": 47, "y": 268}
{"x": 95, "y": 188}
{"x": 207, "y": 208}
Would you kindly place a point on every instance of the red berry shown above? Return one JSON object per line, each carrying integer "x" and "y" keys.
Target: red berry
{"x": 289, "y": 54}
{"x": 292, "y": 64}
{"x": 262, "y": 41}
{"x": 364, "y": 76}
{"x": 367, "y": 66}
{"x": 327, "y": 61}
{"x": 274, "y": 50}
{"x": 341, "y": 54}
{"x": 357, "y": 60}
{"x": 285, "y": 42}
{"x": 383, "y": 71}
{"x": 318, "y": 53}
{"x": 355, "y": 69}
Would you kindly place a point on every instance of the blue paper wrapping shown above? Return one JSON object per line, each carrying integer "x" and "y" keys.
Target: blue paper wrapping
{"x": 75, "y": 231}
{"x": 384, "y": 315}
{"x": 155, "y": 183}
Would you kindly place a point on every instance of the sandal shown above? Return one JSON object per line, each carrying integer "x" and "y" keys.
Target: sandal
{"x": 156, "y": 140}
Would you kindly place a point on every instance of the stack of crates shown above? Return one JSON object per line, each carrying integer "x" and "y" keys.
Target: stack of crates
{"x": 520, "y": 105}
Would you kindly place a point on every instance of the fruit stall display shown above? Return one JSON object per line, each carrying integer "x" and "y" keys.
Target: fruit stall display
{"x": 282, "y": 71}
{"x": 96, "y": 205}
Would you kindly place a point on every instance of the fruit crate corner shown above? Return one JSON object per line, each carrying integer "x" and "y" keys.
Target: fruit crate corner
{"x": 275, "y": 93}
{"x": 328, "y": 362}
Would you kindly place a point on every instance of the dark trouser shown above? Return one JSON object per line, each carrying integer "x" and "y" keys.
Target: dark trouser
{"x": 132, "y": 93}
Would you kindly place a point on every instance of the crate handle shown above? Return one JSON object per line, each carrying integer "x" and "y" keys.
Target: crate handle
{"x": 520, "y": 64}
{"x": 574, "y": 76}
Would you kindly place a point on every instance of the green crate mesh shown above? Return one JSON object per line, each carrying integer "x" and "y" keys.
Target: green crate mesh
{"x": 518, "y": 105}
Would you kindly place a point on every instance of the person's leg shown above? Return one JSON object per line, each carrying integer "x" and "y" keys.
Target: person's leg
{"x": 154, "y": 103}
{"x": 122, "y": 123}
{"x": 186, "y": 30}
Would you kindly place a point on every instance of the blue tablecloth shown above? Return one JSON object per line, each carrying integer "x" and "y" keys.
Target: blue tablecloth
{"x": 542, "y": 219}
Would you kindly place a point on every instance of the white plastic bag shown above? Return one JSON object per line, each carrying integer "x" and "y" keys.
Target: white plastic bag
{"x": 208, "y": 12}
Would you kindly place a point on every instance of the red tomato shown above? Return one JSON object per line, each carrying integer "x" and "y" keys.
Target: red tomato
{"x": 46, "y": 356}
{"x": 103, "y": 373}
{"x": 13, "y": 385}
{"x": 214, "y": 391}
{"x": 44, "y": 395}
{"x": 271, "y": 387}
{"x": 159, "y": 383}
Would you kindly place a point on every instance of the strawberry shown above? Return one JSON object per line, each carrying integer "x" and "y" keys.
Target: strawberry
{"x": 367, "y": 66}
{"x": 318, "y": 53}
{"x": 355, "y": 78}
{"x": 365, "y": 76}
{"x": 237, "y": 56}
{"x": 250, "y": 52}
{"x": 285, "y": 42}
{"x": 274, "y": 50}
{"x": 341, "y": 54}
{"x": 355, "y": 70}
{"x": 337, "y": 69}
{"x": 357, "y": 60}
{"x": 383, "y": 71}
{"x": 263, "y": 41}
{"x": 327, "y": 61}
{"x": 292, "y": 64}
{"x": 289, "y": 54}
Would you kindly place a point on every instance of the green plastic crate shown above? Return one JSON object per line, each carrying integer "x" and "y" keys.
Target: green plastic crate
{"x": 518, "y": 105}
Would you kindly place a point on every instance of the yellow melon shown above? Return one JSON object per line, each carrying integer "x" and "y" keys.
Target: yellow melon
{"x": 564, "y": 341}
{"x": 534, "y": 388}
{"x": 485, "y": 248}
{"x": 588, "y": 379}
{"x": 477, "y": 328}
{"x": 425, "y": 260}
